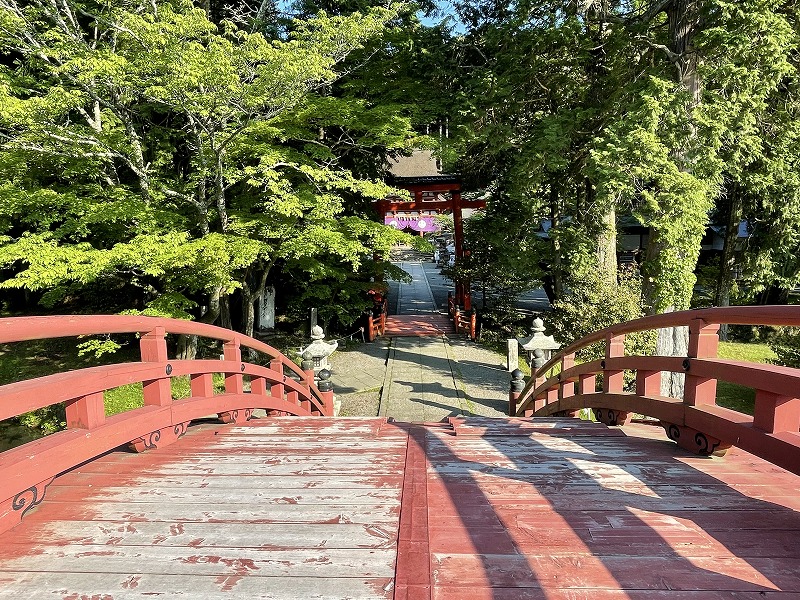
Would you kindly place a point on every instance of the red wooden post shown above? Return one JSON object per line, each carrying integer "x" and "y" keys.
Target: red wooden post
{"x": 703, "y": 343}
{"x": 552, "y": 395}
{"x": 648, "y": 383}
{"x": 258, "y": 386}
{"x": 473, "y": 326}
{"x": 567, "y": 388}
{"x": 153, "y": 348}
{"x": 613, "y": 379}
{"x": 276, "y": 389}
{"x": 587, "y": 384}
{"x": 774, "y": 413}
{"x": 234, "y": 382}
{"x": 202, "y": 385}
{"x": 86, "y": 412}
{"x": 370, "y": 328}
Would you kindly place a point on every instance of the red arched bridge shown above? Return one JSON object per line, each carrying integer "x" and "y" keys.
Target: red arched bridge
{"x": 163, "y": 501}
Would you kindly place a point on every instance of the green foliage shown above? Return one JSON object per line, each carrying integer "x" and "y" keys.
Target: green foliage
{"x": 786, "y": 346}
{"x": 98, "y": 347}
{"x": 590, "y": 304}
{"x": 738, "y": 397}
{"x": 168, "y": 161}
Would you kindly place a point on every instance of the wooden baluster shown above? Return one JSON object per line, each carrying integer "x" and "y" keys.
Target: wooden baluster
{"x": 202, "y": 385}
{"x": 567, "y": 388}
{"x": 703, "y": 343}
{"x": 648, "y": 383}
{"x": 276, "y": 389}
{"x": 153, "y": 348}
{"x": 613, "y": 379}
{"x": 774, "y": 413}
{"x": 234, "y": 382}
{"x": 86, "y": 412}
{"x": 587, "y": 383}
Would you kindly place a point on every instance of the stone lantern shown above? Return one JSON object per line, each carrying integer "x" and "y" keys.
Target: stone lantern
{"x": 537, "y": 340}
{"x": 319, "y": 350}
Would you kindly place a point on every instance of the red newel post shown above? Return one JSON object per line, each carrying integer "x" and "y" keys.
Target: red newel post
{"x": 325, "y": 387}
{"x": 515, "y": 390}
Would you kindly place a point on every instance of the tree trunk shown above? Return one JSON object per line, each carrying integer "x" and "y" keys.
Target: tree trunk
{"x": 187, "y": 344}
{"x": 225, "y": 312}
{"x": 555, "y": 218}
{"x": 607, "y": 246}
{"x": 684, "y": 22}
{"x": 722, "y": 296}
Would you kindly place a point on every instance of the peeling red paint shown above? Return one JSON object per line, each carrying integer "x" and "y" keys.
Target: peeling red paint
{"x": 132, "y": 582}
{"x": 227, "y": 582}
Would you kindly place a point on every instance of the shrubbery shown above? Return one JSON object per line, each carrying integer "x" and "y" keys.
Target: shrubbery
{"x": 786, "y": 344}
{"x": 590, "y": 304}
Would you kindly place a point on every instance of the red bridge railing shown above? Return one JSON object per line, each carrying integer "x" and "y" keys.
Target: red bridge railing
{"x": 695, "y": 421}
{"x": 26, "y": 471}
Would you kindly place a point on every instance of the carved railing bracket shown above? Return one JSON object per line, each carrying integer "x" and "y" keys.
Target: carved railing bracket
{"x": 612, "y": 417}
{"x": 695, "y": 441}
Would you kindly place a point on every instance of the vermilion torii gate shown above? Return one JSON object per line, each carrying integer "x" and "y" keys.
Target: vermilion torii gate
{"x": 432, "y": 194}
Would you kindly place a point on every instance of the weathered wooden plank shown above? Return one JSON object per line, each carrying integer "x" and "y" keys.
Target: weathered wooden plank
{"x": 152, "y": 491}
{"x": 512, "y": 593}
{"x": 132, "y": 585}
{"x": 582, "y": 570}
{"x": 618, "y": 495}
{"x": 267, "y": 536}
{"x": 81, "y": 478}
{"x": 380, "y": 514}
{"x": 244, "y": 468}
{"x": 175, "y": 560}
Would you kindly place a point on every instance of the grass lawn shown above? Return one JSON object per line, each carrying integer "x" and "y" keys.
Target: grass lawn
{"x": 738, "y": 397}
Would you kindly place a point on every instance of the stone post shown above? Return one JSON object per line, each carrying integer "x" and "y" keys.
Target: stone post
{"x": 513, "y": 354}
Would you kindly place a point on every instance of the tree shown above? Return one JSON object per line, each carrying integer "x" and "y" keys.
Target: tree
{"x": 149, "y": 152}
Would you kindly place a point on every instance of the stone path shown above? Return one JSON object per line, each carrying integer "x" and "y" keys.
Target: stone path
{"x": 421, "y": 379}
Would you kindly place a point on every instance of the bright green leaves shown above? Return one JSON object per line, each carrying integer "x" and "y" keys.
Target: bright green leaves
{"x": 156, "y": 157}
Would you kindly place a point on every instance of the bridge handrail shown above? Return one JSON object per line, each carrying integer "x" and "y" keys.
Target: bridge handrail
{"x": 772, "y": 432}
{"x": 731, "y": 315}
{"x": 21, "y": 329}
{"x": 282, "y": 388}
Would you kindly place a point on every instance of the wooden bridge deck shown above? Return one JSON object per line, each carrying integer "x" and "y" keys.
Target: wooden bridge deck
{"x": 361, "y": 508}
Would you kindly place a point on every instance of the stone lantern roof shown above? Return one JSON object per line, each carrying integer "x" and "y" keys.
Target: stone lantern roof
{"x": 537, "y": 340}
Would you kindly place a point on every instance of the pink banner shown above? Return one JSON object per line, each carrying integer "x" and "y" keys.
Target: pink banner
{"x": 415, "y": 223}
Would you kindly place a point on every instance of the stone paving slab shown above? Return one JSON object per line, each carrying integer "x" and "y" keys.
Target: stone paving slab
{"x": 420, "y": 379}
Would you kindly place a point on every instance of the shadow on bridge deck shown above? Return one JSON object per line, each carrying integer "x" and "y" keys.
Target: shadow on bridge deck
{"x": 365, "y": 508}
